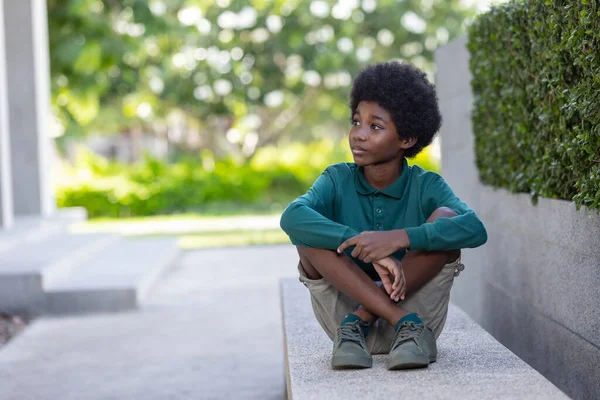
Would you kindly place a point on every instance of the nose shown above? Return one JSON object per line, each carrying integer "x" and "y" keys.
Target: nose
{"x": 359, "y": 134}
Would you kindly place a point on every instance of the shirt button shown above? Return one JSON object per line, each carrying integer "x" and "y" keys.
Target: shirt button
{"x": 378, "y": 211}
{"x": 378, "y": 226}
{"x": 376, "y": 194}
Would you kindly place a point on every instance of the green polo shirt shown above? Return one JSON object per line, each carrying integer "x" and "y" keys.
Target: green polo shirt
{"x": 341, "y": 204}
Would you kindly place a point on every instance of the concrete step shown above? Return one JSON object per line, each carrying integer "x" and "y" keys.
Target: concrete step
{"x": 471, "y": 363}
{"x": 30, "y": 229}
{"x": 27, "y": 267}
{"x": 117, "y": 279}
{"x": 27, "y": 230}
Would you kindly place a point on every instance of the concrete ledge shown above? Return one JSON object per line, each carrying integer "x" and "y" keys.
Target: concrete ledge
{"x": 27, "y": 230}
{"x": 85, "y": 301}
{"x": 471, "y": 363}
{"x": 70, "y": 215}
{"x": 115, "y": 280}
{"x": 29, "y": 266}
{"x": 21, "y": 294}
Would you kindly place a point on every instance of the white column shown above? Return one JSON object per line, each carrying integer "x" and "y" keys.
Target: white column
{"x": 28, "y": 75}
{"x": 6, "y": 205}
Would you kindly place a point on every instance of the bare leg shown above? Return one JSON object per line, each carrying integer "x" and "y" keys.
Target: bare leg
{"x": 347, "y": 277}
{"x": 420, "y": 266}
{"x": 312, "y": 273}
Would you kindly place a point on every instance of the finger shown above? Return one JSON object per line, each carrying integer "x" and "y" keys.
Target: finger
{"x": 403, "y": 289}
{"x": 394, "y": 293}
{"x": 367, "y": 254}
{"x": 348, "y": 243}
{"x": 387, "y": 285}
{"x": 357, "y": 250}
{"x": 401, "y": 282}
{"x": 375, "y": 254}
{"x": 363, "y": 255}
{"x": 400, "y": 292}
{"x": 396, "y": 280}
{"x": 397, "y": 291}
{"x": 395, "y": 272}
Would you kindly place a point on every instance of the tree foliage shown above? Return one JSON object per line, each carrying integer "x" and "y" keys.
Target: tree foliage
{"x": 233, "y": 75}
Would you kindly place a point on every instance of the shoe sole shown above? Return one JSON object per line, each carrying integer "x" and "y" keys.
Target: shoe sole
{"x": 351, "y": 363}
{"x": 413, "y": 363}
{"x": 407, "y": 366}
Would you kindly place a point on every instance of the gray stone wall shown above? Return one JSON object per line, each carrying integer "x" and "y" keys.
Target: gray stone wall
{"x": 535, "y": 285}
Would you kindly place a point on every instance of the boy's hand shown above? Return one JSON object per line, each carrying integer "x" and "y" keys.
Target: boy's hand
{"x": 375, "y": 245}
{"x": 392, "y": 276}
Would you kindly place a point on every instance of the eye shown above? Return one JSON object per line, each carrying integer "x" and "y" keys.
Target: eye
{"x": 354, "y": 122}
{"x": 376, "y": 127}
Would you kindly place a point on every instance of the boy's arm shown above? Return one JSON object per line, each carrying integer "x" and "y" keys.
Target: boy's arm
{"x": 307, "y": 219}
{"x": 463, "y": 231}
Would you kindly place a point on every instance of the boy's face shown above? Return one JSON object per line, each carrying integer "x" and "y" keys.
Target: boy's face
{"x": 373, "y": 136}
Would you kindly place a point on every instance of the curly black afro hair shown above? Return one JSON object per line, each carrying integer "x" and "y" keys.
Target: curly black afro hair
{"x": 406, "y": 93}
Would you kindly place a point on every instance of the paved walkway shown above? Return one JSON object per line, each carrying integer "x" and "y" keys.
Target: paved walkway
{"x": 211, "y": 330}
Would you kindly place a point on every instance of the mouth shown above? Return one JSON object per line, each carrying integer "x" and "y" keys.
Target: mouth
{"x": 358, "y": 150}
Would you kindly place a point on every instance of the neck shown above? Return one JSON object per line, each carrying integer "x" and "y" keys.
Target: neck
{"x": 383, "y": 175}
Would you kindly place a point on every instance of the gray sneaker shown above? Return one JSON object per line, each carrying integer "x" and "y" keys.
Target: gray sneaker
{"x": 413, "y": 347}
{"x": 350, "y": 348}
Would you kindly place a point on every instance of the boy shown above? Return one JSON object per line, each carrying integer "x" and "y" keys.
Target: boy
{"x": 379, "y": 241}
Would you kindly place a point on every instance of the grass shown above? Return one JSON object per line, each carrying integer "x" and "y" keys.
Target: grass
{"x": 128, "y": 224}
{"x": 234, "y": 238}
{"x": 195, "y": 230}
{"x": 213, "y": 210}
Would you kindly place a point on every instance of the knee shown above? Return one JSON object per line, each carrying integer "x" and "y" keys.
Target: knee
{"x": 311, "y": 252}
{"x": 445, "y": 212}
{"x": 301, "y": 251}
{"x": 310, "y": 270}
{"x": 305, "y": 252}
{"x": 442, "y": 212}
{"x": 314, "y": 255}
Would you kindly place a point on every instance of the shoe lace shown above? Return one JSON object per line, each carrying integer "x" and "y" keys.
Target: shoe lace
{"x": 408, "y": 331}
{"x": 350, "y": 332}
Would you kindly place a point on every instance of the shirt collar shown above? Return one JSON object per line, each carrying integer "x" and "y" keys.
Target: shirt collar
{"x": 395, "y": 190}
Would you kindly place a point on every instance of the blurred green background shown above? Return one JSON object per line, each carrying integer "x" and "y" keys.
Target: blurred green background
{"x": 209, "y": 108}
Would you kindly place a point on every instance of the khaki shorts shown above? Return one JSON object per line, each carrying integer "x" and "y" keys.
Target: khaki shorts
{"x": 430, "y": 302}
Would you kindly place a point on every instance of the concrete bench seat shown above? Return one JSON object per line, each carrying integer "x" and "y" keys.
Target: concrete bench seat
{"x": 471, "y": 363}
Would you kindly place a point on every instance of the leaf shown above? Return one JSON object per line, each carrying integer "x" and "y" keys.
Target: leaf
{"x": 89, "y": 58}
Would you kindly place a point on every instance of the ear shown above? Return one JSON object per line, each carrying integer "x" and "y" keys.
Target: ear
{"x": 407, "y": 143}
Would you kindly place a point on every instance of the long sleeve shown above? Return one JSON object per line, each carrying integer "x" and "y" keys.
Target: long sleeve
{"x": 463, "y": 231}
{"x": 307, "y": 220}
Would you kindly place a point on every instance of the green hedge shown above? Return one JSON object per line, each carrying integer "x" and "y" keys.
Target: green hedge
{"x": 152, "y": 187}
{"x": 201, "y": 184}
{"x": 536, "y": 83}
